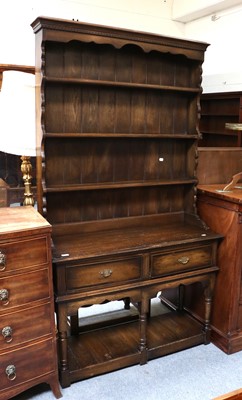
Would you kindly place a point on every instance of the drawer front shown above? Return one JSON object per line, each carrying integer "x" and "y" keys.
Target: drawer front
{"x": 26, "y": 363}
{"x": 181, "y": 260}
{"x": 23, "y": 254}
{"x": 23, "y": 289}
{"x": 103, "y": 273}
{"x": 18, "y": 327}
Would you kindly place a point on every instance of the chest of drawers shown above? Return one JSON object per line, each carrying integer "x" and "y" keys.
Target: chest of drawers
{"x": 27, "y": 329}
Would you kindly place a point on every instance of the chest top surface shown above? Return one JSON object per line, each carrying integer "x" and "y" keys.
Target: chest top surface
{"x": 18, "y": 219}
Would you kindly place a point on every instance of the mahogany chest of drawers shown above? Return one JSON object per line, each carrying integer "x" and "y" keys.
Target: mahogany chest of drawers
{"x": 27, "y": 329}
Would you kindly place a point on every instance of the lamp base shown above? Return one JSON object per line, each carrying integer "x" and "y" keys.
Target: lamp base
{"x": 26, "y": 169}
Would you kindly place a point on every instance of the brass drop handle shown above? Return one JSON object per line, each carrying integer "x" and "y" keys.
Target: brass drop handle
{"x": 183, "y": 260}
{"x": 11, "y": 372}
{"x": 4, "y": 297}
{"x": 7, "y": 334}
{"x": 2, "y": 261}
{"x": 106, "y": 273}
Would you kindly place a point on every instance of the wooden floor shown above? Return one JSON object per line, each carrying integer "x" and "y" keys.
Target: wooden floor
{"x": 235, "y": 395}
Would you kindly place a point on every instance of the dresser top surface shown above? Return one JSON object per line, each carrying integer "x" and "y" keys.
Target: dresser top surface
{"x": 15, "y": 219}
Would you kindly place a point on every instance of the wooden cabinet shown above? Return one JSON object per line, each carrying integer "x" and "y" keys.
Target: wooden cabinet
{"x": 28, "y": 339}
{"x": 222, "y": 211}
{"x": 217, "y": 109}
{"x": 118, "y": 112}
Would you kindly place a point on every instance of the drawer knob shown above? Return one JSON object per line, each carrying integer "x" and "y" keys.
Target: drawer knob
{"x": 2, "y": 261}
{"x": 106, "y": 273}
{"x": 11, "y": 372}
{"x": 7, "y": 334}
{"x": 4, "y": 296}
{"x": 183, "y": 260}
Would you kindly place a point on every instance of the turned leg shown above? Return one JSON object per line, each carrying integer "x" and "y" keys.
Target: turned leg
{"x": 62, "y": 327}
{"x": 208, "y": 293}
{"x": 181, "y": 294}
{"x": 74, "y": 324}
{"x": 126, "y": 301}
{"x": 144, "y": 309}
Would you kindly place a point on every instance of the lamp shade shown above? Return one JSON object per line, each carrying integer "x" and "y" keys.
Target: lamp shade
{"x": 17, "y": 114}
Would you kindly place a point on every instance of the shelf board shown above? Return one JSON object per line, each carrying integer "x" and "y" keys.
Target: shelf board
{"x": 227, "y": 133}
{"x": 117, "y": 346}
{"x": 62, "y": 135}
{"x": 219, "y": 114}
{"x": 99, "y": 82}
{"x": 116, "y": 185}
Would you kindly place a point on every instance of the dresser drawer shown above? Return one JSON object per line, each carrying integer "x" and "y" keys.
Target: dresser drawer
{"x": 23, "y": 254}
{"x": 18, "y": 327}
{"x": 183, "y": 260}
{"x": 18, "y": 290}
{"x": 27, "y": 363}
{"x": 103, "y": 273}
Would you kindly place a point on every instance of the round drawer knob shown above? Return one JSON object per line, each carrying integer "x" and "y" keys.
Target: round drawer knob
{"x": 7, "y": 334}
{"x": 2, "y": 261}
{"x": 4, "y": 297}
{"x": 11, "y": 372}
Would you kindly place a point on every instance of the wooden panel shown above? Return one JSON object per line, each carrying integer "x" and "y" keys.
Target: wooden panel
{"x": 115, "y": 203}
{"x": 106, "y": 110}
{"x": 115, "y": 160}
{"x": 218, "y": 165}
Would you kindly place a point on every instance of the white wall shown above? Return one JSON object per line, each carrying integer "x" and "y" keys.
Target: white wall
{"x": 222, "y": 69}
{"x": 17, "y": 37}
{"x": 187, "y": 11}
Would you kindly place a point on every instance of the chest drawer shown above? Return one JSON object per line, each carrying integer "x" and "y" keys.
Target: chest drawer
{"x": 25, "y": 364}
{"x": 18, "y": 290}
{"x": 103, "y": 273}
{"x": 181, "y": 260}
{"x": 18, "y": 327}
{"x": 23, "y": 254}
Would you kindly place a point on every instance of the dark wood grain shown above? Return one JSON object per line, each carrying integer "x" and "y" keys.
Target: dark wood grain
{"x": 117, "y": 180}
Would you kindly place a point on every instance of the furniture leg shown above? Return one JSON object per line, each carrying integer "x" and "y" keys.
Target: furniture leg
{"x": 143, "y": 328}
{"x": 208, "y": 292}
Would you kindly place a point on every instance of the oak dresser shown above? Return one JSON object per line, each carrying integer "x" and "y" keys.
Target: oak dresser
{"x": 116, "y": 178}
